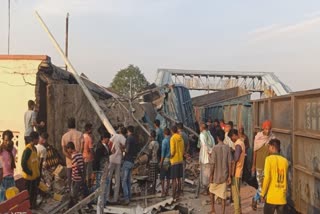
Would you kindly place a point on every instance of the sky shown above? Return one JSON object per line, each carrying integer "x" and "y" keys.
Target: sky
{"x": 108, "y": 35}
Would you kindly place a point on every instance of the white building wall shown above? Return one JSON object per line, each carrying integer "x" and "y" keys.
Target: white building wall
{"x": 17, "y": 79}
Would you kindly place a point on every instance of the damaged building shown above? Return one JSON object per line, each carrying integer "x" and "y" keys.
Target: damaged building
{"x": 58, "y": 97}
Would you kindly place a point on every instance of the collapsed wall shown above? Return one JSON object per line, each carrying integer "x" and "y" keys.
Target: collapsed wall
{"x": 60, "y": 97}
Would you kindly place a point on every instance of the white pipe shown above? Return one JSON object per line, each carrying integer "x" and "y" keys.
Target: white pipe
{"x": 91, "y": 99}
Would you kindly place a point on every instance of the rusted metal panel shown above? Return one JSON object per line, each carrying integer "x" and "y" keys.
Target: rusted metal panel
{"x": 308, "y": 113}
{"x": 218, "y": 96}
{"x": 281, "y": 117}
{"x": 296, "y": 122}
{"x": 238, "y": 110}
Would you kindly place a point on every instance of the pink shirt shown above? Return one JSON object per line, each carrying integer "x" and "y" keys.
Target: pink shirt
{"x": 88, "y": 145}
{"x": 6, "y": 162}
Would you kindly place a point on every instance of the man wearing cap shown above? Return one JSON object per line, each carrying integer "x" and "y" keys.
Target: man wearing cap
{"x": 260, "y": 145}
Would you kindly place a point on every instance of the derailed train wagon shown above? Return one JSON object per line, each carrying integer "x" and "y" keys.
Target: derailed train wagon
{"x": 231, "y": 105}
{"x": 296, "y": 122}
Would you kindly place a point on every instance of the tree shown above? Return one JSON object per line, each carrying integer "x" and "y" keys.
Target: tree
{"x": 121, "y": 82}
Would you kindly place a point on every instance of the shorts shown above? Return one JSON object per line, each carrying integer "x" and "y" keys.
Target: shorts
{"x": 165, "y": 171}
{"x": 88, "y": 169}
{"x": 176, "y": 171}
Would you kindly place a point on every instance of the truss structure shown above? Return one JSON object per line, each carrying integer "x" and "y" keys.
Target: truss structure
{"x": 263, "y": 82}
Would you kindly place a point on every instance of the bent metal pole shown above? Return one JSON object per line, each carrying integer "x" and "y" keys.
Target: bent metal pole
{"x": 91, "y": 99}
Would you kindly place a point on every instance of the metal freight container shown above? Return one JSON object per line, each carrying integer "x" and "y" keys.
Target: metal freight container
{"x": 296, "y": 122}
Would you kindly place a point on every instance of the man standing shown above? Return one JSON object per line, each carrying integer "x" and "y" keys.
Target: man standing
{"x": 260, "y": 154}
{"x": 185, "y": 138}
{"x": 227, "y": 140}
{"x": 41, "y": 150}
{"x": 118, "y": 142}
{"x": 165, "y": 163}
{"x": 221, "y": 172}
{"x": 159, "y": 131}
{"x": 77, "y": 173}
{"x": 159, "y": 135}
{"x": 153, "y": 163}
{"x": 30, "y": 122}
{"x": 30, "y": 168}
{"x": 274, "y": 189}
{"x": 239, "y": 155}
{"x": 88, "y": 154}
{"x": 206, "y": 143}
{"x": 176, "y": 160}
{"x": 215, "y": 129}
{"x": 101, "y": 157}
{"x": 130, "y": 154}
{"x": 76, "y": 137}
{"x": 210, "y": 125}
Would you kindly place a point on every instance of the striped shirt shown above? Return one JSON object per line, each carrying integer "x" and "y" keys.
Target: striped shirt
{"x": 77, "y": 166}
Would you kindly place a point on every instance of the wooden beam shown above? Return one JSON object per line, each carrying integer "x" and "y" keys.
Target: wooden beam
{"x": 91, "y": 99}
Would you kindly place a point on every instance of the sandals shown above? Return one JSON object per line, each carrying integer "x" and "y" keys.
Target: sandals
{"x": 254, "y": 204}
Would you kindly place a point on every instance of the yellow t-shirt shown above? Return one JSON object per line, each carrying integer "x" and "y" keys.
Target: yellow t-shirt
{"x": 275, "y": 180}
{"x": 176, "y": 149}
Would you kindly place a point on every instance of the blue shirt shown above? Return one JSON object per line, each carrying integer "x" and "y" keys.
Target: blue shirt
{"x": 159, "y": 135}
{"x": 165, "y": 149}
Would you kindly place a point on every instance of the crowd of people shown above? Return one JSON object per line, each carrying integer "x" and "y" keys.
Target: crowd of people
{"x": 223, "y": 164}
{"x": 224, "y": 157}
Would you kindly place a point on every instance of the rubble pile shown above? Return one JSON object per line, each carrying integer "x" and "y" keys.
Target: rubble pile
{"x": 192, "y": 168}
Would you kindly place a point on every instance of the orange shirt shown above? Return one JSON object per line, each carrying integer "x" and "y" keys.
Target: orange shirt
{"x": 240, "y": 162}
{"x": 74, "y": 136}
{"x": 87, "y": 147}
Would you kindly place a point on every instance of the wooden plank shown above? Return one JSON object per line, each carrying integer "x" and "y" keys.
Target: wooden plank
{"x": 21, "y": 207}
{"x": 18, "y": 199}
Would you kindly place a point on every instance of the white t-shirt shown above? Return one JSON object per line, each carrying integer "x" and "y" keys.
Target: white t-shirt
{"x": 41, "y": 151}
{"x": 118, "y": 140}
{"x": 229, "y": 142}
{"x": 28, "y": 118}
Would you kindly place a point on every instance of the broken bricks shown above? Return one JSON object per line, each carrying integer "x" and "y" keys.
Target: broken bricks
{"x": 60, "y": 172}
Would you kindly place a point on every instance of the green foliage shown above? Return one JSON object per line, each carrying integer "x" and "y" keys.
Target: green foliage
{"x": 121, "y": 82}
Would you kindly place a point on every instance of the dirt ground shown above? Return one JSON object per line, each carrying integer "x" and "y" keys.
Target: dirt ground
{"x": 202, "y": 204}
